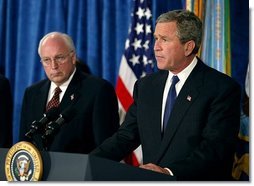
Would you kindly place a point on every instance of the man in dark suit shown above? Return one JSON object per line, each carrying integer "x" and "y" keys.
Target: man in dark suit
{"x": 90, "y": 103}
{"x": 6, "y": 108}
{"x": 198, "y": 142}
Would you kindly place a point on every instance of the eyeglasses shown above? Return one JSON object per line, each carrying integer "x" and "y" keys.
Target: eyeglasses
{"x": 59, "y": 59}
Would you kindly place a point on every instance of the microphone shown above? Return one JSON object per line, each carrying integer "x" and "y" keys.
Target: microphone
{"x": 63, "y": 118}
{"x": 36, "y": 126}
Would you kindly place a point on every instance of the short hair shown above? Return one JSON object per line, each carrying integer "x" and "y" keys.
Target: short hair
{"x": 68, "y": 40}
{"x": 189, "y": 26}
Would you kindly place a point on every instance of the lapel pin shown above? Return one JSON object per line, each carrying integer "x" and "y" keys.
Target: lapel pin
{"x": 72, "y": 97}
{"x": 188, "y": 98}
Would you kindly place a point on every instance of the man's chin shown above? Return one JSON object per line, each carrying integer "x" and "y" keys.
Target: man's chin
{"x": 57, "y": 80}
{"x": 161, "y": 67}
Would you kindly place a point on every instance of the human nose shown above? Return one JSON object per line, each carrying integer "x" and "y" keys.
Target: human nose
{"x": 156, "y": 46}
{"x": 54, "y": 64}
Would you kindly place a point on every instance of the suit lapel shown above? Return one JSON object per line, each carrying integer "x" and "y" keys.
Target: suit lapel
{"x": 155, "y": 98}
{"x": 188, "y": 94}
{"x": 72, "y": 94}
{"x": 42, "y": 95}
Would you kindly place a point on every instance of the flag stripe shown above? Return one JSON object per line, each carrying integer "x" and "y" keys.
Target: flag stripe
{"x": 127, "y": 75}
{"x": 123, "y": 94}
{"x": 132, "y": 159}
{"x": 136, "y": 62}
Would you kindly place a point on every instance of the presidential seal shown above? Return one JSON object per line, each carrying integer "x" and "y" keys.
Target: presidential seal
{"x": 23, "y": 162}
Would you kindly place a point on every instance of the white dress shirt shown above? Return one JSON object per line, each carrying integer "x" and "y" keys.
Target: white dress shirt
{"x": 183, "y": 75}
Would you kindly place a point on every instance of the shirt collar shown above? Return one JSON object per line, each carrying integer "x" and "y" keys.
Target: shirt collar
{"x": 183, "y": 75}
{"x": 64, "y": 86}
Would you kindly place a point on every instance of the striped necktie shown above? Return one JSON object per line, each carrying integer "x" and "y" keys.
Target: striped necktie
{"x": 54, "y": 102}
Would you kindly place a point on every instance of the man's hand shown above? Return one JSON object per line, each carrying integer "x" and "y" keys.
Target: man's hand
{"x": 156, "y": 168}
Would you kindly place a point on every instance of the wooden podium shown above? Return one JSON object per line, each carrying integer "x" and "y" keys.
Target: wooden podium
{"x": 81, "y": 167}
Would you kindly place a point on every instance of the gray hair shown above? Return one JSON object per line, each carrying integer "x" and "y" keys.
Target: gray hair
{"x": 68, "y": 40}
{"x": 189, "y": 26}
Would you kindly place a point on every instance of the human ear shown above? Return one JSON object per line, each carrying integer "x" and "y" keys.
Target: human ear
{"x": 189, "y": 47}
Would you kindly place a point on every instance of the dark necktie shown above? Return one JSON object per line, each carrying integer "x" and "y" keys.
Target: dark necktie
{"x": 54, "y": 102}
{"x": 170, "y": 101}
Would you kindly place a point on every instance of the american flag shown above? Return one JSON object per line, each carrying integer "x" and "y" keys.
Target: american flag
{"x": 136, "y": 62}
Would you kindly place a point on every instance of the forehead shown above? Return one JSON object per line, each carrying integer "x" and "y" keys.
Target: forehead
{"x": 165, "y": 28}
{"x": 54, "y": 45}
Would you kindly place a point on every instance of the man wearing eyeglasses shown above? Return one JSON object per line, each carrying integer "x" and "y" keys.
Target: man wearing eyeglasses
{"x": 86, "y": 106}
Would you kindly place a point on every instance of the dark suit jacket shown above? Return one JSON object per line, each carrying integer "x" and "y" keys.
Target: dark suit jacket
{"x": 6, "y": 108}
{"x": 96, "y": 117}
{"x": 199, "y": 141}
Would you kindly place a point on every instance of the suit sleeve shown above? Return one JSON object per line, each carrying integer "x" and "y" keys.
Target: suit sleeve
{"x": 105, "y": 113}
{"x": 23, "y": 121}
{"x": 124, "y": 141}
{"x": 6, "y": 108}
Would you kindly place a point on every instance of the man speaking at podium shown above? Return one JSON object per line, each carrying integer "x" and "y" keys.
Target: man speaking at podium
{"x": 70, "y": 111}
{"x": 194, "y": 139}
